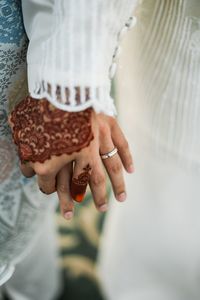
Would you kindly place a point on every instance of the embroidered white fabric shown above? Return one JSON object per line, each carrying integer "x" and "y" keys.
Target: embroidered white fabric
{"x": 73, "y": 47}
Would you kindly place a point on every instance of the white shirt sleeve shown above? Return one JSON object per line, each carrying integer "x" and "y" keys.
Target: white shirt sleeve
{"x": 72, "y": 50}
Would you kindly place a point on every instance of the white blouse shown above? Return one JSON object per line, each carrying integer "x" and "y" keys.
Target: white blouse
{"x": 159, "y": 80}
{"x": 72, "y": 50}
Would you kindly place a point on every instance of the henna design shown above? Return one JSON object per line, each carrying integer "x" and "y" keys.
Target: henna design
{"x": 40, "y": 130}
{"x": 79, "y": 185}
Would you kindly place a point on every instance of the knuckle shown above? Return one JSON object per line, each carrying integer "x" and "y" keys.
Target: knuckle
{"x": 98, "y": 180}
{"x": 129, "y": 160}
{"x": 116, "y": 168}
{"x": 42, "y": 170}
{"x": 120, "y": 188}
{"x": 112, "y": 121}
{"x": 103, "y": 129}
{"x": 62, "y": 188}
{"x": 124, "y": 145}
{"x": 101, "y": 201}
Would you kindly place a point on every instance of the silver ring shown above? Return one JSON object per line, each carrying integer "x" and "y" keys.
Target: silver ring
{"x": 109, "y": 154}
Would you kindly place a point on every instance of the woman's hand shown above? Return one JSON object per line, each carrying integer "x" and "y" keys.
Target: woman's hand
{"x": 62, "y": 149}
{"x": 48, "y": 138}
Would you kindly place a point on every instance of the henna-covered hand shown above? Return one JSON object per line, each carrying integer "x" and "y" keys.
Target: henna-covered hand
{"x": 48, "y": 138}
{"x": 41, "y": 131}
{"x": 62, "y": 149}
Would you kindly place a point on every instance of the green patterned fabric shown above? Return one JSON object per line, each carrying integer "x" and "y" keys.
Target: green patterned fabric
{"x": 78, "y": 241}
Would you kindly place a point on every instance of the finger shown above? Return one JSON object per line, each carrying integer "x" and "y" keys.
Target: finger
{"x": 9, "y": 121}
{"x": 63, "y": 191}
{"x": 51, "y": 166}
{"x": 47, "y": 184}
{"x": 47, "y": 172}
{"x": 122, "y": 145}
{"x": 26, "y": 170}
{"x": 113, "y": 166}
{"x": 80, "y": 179}
{"x": 98, "y": 185}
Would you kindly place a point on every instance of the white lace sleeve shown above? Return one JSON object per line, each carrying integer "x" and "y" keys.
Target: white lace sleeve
{"x": 72, "y": 50}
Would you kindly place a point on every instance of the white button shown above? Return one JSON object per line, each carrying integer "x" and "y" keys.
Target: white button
{"x": 112, "y": 71}
{"x": 131, "y": 22}
{"x": 116, "y": 52}
{"x": 122, "y": 33}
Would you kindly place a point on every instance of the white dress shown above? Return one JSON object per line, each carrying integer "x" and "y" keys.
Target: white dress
{"x": 151, "y": 246}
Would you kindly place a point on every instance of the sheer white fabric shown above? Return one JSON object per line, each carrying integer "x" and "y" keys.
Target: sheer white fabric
{"x": 72, "y": 50}
{"x": 151, "y": 243}
{"x": 162, "y": 80}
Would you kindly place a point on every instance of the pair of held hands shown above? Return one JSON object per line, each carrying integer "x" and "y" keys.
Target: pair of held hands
{"x": 63, "y": 149}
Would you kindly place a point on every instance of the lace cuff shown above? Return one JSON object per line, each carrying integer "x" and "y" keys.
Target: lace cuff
{"x": 73, "y": 47}
{"x": 74, "y": 98}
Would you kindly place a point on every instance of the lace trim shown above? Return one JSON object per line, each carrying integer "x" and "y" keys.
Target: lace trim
{"x": 75, "y": 99}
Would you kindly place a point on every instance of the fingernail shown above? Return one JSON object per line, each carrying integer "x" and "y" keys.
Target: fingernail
{"x": 131, "y": 169}
{"x": 68, "y": 215}
{"x": 121, "y": 197}
{"x": 78, "y": 198}
{"x": 103, "y": 207}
